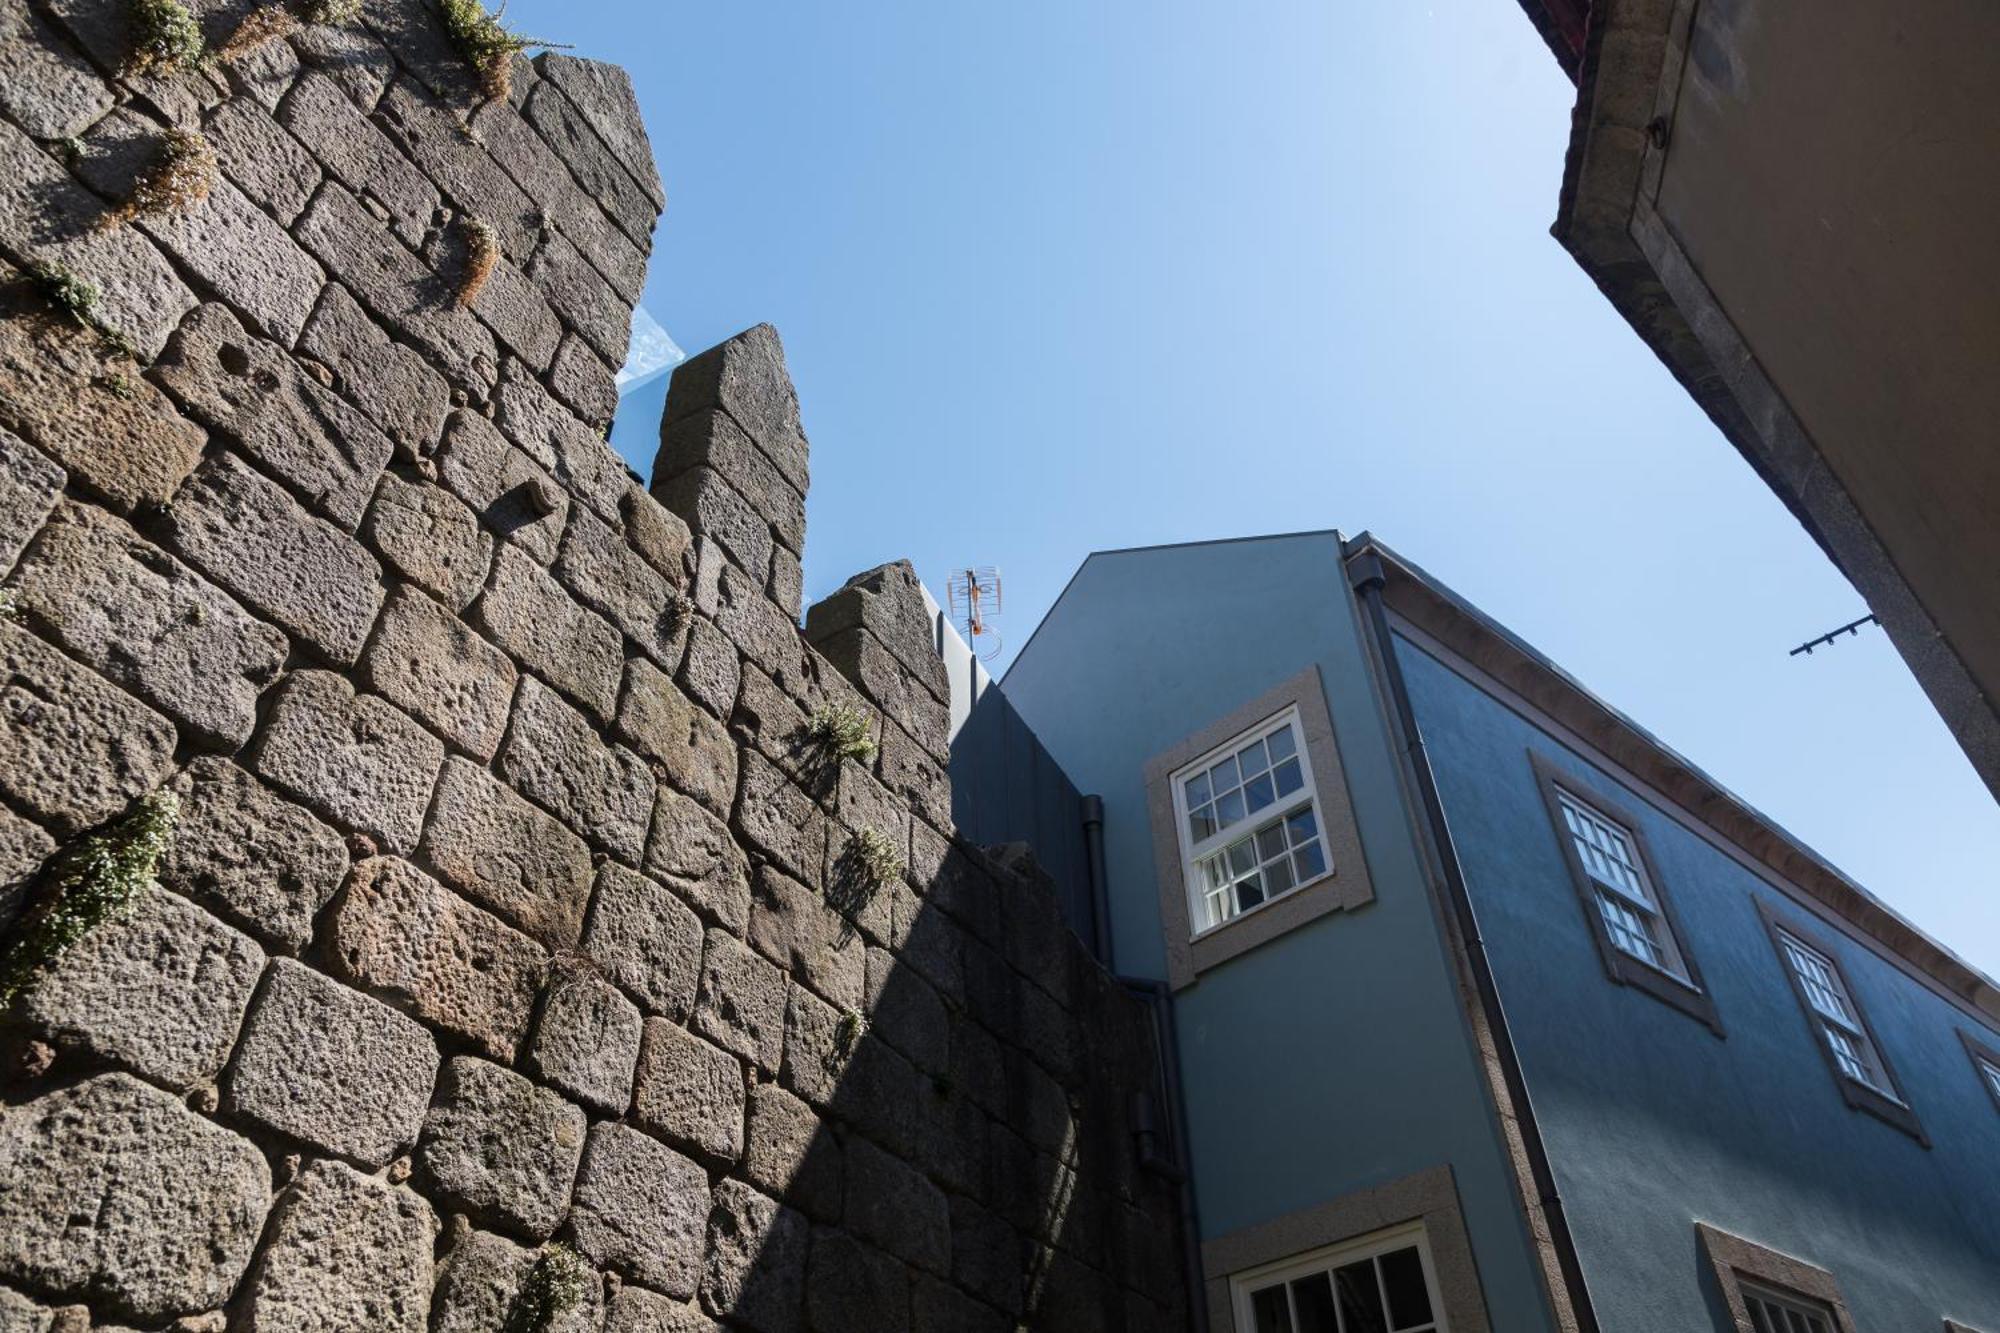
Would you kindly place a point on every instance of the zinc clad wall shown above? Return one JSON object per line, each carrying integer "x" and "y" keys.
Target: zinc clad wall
{"x": 1335, "y": 1057}
{"x": 1653, "y": 1122}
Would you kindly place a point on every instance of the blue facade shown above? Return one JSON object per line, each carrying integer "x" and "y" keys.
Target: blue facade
{"x": 1341, "y": 1054}
{"x": 1338, "y": 1056}
{"x": 1652, "y": 1121}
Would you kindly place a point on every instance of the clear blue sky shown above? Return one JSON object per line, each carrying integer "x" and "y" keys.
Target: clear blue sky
{"x": 1055, "y": 277}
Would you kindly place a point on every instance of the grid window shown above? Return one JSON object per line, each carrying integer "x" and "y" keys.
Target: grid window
{"x": 1249, "y": 822}
{"x": 1621, "y": 889}
{"x": 1774, "y": 1313}
{"x": 1833, "y": 1011}
{"x": 1991, "y": 1072}
{"x": 1386, "y": 1288}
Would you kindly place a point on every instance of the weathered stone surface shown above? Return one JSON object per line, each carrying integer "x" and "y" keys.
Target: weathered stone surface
{"x": 403, "y": 935}
{"x": 986, "y": 1255}
{"x": 30, "y": 485}
{"x": 693, "y": 750}
{"x": 398, "y": 287}
{"x": 230, "y": 245}
{"x": 693, "y": 851}
{"x": 689, "y": 1092}
{"x": 349, "y": 55}
{"x": 922, "y": 782}
{"x": 23, "y": 849}
{"x": 820, "y": 1042}
{"x": 780, "y": 820}
{"x": 479, "y": 1281}
{"x": 63, "y": 391}
{"x": 902, "y": 696}
{"x": 327, "y": 452}
{"x": 711, "y": 671}
{"x": 352, "y": 757}
{"x": 346, "y": 1252}
{"x": 45, "y": 87}
{"x": 786, "y": 586}
{"x": 551, "y": 433}
{"x": 755, "y": 1268}
{"x": 712, "y": 508}
{"x": 554, "y": 756}
{"x": 710, "y": 439}
{"x": 768, "y": 636}
{"x": 603, "y": 94}
{"x": 774, "y": 723}
{"x": 74, "y": 750}
{"x": 587, "y": 1040}
{"x": 429, "y": 662}
{"x": 434, "y": 138}
{"x": 149, "y": 623}
{"x": 658, "y": 535}
{"x": 746, "y": 377}
{"x": 262, "y": 75}
{"x": 349, "y": 145}
{"x": 891, "y": 1204}
{"x": 791, "y": 1155}
{"x": 528, "y": 614}
{"x": 249, "y": 855}
{"x": 853, "y": 1288}
{"x": 794, "y": 928}
{"x": 600, "y": 173}
{"x": 18, "y": 1314}
{"x": 331, "y": 1067}
{"x": 889, "y": 603}
{"x": 905, "y": 1011}
{"x": 315, "y": 581}
{"x": 511, "y": 492}
{"x": 392, "y": 383}
{"x": 414, "y": 33}
{"x": 46, "y": 213}
{"x": 511, "y": 305}
{"x": 429, "y": 537}
{"x": 159, "y": 990}
{"x": 636, "y": 1310}
{"x": 608, "y": 575}
{"x": 507, "y": 855}
{"x": 935, "y": 1304}
{"x": 500, "y": 1148}
{"x": 267, "y": 164}
{"x": 178, "y": 1201}
{"x": 647, "y": 940}
{"x": 584, "y": 383}
{"x": 741, "y": 1003}
{"x": 586, "y": 302}
{"x": 641, "y": 1208}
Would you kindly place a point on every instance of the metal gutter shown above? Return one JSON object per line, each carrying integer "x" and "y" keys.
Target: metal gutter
{"x": 1366, "y": 574}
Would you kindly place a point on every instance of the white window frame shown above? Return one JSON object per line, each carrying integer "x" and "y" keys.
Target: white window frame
{"x": 1639, "y": 900}
{"x": 1798, "y": 1310}
{"x": 1244, "y": 1286}
{"x": 1842, "y": 1028}
{"x": 1194, "y": 853}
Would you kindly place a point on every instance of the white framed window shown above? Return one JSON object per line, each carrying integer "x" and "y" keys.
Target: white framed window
{"x": 1991, "y": 1073}
{"x": 1621, "y": 889}
{"x": 1249, "y": 822}
{"x": 1381, "y": 1284}
{"x": 1839, "y": 1021}
{"x": 1776, "y": 1312}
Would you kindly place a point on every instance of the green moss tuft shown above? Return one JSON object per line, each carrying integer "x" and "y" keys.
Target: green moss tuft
{"x": 180, "y": 177}
{"x": 842, "y": 731}
{"x": 165, "y": 37}
{"x": 552, "y": 1288}
{"x": 847, "y": 1032}
{"x": 488, "y": 45}
{"x": 260, "y": 27}
{"x": 92, "y": 880}
{"x": 73, "y": 294}
{"x": 878, "y": 857}
{"x": 330, "y": 13}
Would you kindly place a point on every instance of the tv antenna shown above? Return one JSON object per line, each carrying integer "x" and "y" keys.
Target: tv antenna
{"x": 975, "y": 601}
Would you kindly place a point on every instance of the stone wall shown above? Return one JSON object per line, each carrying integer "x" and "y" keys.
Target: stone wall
{"x": 523, "y": 959}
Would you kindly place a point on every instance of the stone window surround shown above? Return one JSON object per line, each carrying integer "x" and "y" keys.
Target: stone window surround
{"x": 1429, "y": 1196}
{"x": 1979, "y": 1050}
{"x": 1734, "y": 1259}
{"x": 1859, "y": 1096}
{"x": 1345, "y": 886}
{"x": 1690, "y": 997}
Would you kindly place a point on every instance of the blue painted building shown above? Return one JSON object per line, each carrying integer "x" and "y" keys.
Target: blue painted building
{"x": 1492, "y": 1012}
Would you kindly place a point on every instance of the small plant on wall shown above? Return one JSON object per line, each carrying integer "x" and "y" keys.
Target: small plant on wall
{"x": 488, "y": 44}
{"x": 260, "y": 27}
{"x": 95, "y": 879}
{"x": 180, "y": 177}
{"x": 553, "y": 1287}
{"x": 166, "y": 39}
{"x": 330, "y": 13}
{"x": 842, "y": 731}
{"x": 482, "y": 254}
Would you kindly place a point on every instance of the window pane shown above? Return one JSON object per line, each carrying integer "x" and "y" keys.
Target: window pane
{"x": 1268, "y": 1312}
{"x": 1631, "y": 932}
{"x": 1409, "y": 1298}
{"x": 1201, "y": 823}
{"x": 1360, "y": 1299}
{"x": 1312, "y": 1298}
{"x": 1281, "y": 743}
{"x": 1250, "y": 892}
{"x": 1303, "y": 825}
{"x": 1270, "y": 842}
{"x": 1242, "y": 857}
{"x": 1288, "y": 777}
{"x": 1309, "y": 862}
{"x": 1229, "y": 809}
{"x": 1278, "y": 877}
{"x": 1251, "y": 757}
{"x": 1223, "y": 775}
{"x": 1196, "y": 788}
{"x": 1258, "y": 791}
{"x": 1760, "y": 1317}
